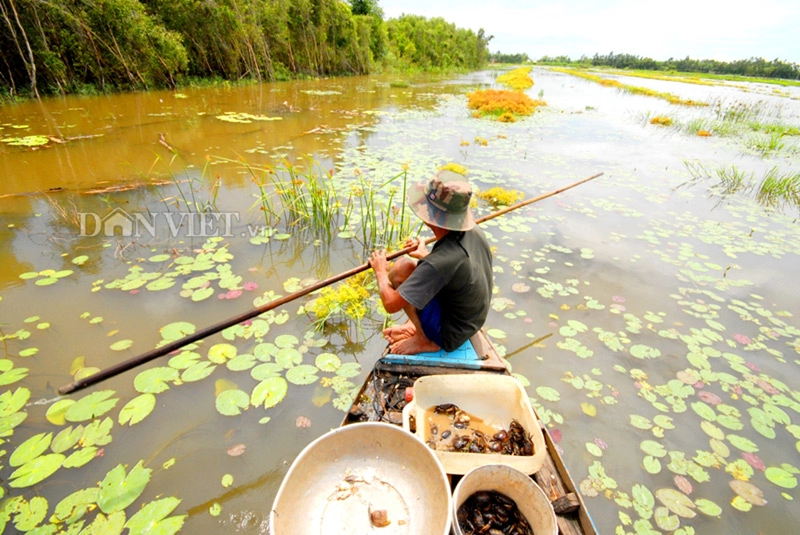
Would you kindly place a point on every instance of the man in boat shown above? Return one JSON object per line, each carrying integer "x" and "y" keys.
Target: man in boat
{"x": 447, "y": 296}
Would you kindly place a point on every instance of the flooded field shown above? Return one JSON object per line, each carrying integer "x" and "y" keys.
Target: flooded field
{"x": 651, "y": 313}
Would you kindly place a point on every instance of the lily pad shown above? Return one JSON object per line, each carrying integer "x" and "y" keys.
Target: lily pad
{"x": 153, "y": 518}
{"x": 30, "y": 449}
{"x": 232, "y": 402}
{"x": 121, "y": 345}
{"x": 328, "y": 362}
{"x": 36, "y": 470}
{"x": 677, "y": 502}
{"x": 269, "y": 392}
{"x": 155, "y": 380}
{"x": 137, "y": 409}
{"x": 118, "y": 490}
{"x": 90, "y": 407}
{"x": 779, "y": 477}
{"x": 304, "y": 374}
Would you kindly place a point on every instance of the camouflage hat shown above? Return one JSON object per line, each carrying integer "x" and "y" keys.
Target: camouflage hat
{"x": 443, "y": 201}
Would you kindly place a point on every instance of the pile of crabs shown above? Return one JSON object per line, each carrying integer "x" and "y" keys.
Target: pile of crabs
{"x": 461, "y": 436}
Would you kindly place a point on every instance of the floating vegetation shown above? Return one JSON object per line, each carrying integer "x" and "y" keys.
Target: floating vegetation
{"x": 661, "y": 120}
{"x": 348, "y": 301}
{"x": 245, "y": 118}
{"x": 518, "y": 79}
{"x": 27, "y": 141}
{"x": 497, "y": 102}
{"x": 498, "y": 196}
{"x": 636, "y": 90}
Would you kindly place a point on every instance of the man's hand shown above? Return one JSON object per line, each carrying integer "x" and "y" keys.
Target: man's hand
{"x": 378, "y": 262}
{"x": 421, "y": 251}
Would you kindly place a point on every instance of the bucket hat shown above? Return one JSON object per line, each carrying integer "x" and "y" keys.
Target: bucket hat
{"x": 443, "y": 201}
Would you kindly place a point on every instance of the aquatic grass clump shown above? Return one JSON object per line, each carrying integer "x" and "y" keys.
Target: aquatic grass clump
{"x": 775, "y": 191}
{"x": 765, "y": 144}
{"x": 496, "y": 102}
{"x": 518, "y": 78}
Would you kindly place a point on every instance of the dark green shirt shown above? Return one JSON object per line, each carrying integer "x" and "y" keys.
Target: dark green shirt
{"x": 458, "y": 271}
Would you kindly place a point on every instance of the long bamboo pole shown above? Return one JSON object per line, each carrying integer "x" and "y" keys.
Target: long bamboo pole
{"x": 117, "y": 369}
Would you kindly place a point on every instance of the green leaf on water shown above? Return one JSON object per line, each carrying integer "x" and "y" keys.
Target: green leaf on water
{"x": 81, "y": 457}
{"x": 707, "y": 507}
{"x": 653, "y": 448}
{"x": 269, "y": 392}
{"x": 742, "y": 443}
{"x": 152, "y": 518}
{"x": 704, "y": 411}
{"x": 241, "y": 362}
{"x": 220, "y": 353}
{"x": 46, "y": 281}
{"x": 641, "y": 351}
{"x": 30, "y": 514}
{"x": 137, "y": 409}
{"x": 121, "y": 345}
{"x": 155, "y": 380}
{"x": 55, "y": 412}
{"x": 184, "y": 360}
{"x": 215, "y": 509}
{"x": 664, "y": 520}
{"x": 118, "y": 490}
{"x": 349, "y": 369}
{"x": 198, "y": 372}
{"x": 202, "y": 293}
{"x": 160, "y": 258}
{"x": 177, "y": 330}
{"x": 76, "y": 505}
{"x": 31, "y": 351}
{"x": 640, "y": 422}
{"x": 266, "y": 370}
{"x": 304, "y": 374}
{"x": 66, "y": 438}
{"x": 286, "y": 340}
{"x": 232, "y": 402}
{"x": 548, "y": 393}
{"x": 92, "y": 406}
{"x": 36, "y": 470}
{"x": 651, "y": 464}
{"x": 227, "y": 480}
{"x": 328, "y": 362}
{"x": 80, "y": 260}
{"x": 30, "y": 449}
{"x": 288, "y": 357}
{"x": 780, "y": 477}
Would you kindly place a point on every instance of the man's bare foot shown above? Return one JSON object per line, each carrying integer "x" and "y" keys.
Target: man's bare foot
{"x": 413, "y": 345}
{"x": 395, "y": 333}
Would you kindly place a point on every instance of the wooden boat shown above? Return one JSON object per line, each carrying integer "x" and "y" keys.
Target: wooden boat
{"x": 382, "y": 398}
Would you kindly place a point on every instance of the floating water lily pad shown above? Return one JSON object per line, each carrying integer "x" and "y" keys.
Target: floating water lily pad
{"x": 153, "y": 518}
{"x": 220, "y": 353}
{"x": 177, "y": 330}
{"x": 677, "y": 502}
{"x": 30, "y": 449}
{"x": 304, "y": 374}
{"x": 198, "y": 372}
{"x": 232, "y": 402}
{"x": 81, "y": 457}
{"x": 269, "y": 392}
{"x": 779, "y": 477}
{"x": 328, "y": 362}
{"x": 121, "y": 345}
{"x": 748, "y": 492}
{"x": 118, "y": 490}
{"x": 155, "y": 380}
{"x": 92, "y": 406}
{"x": 36, "y": 470}
{"x": 66, "y": 438}
{"x": 137, "y": 409}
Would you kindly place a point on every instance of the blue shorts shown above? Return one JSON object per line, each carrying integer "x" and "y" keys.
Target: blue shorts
{"x": 431, "y": 319}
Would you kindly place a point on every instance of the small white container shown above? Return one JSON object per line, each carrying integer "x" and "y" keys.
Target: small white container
{"x": 492, "y": 398}
{"x": 529, "y": 497}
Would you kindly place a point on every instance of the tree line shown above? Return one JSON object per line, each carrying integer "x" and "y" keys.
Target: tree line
{"x": 70, "y": 46}
{"x": 753, "y": 67}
